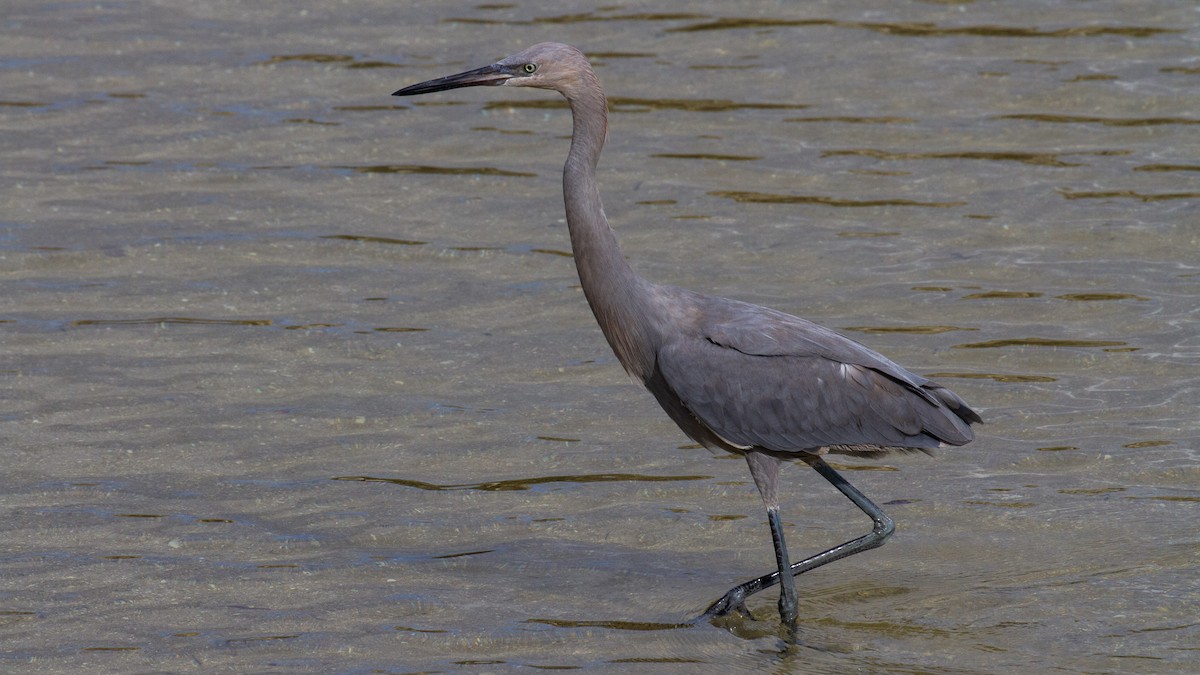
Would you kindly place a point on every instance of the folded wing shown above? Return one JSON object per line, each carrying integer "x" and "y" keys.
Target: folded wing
{"x": 760, "y": 378}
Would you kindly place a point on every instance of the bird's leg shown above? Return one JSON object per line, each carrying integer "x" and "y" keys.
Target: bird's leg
{"x": 765, "y": 470}
{"x": 735, "y": 599}
{"x": 787, "y": 594}
{"x": 883, "y": 524}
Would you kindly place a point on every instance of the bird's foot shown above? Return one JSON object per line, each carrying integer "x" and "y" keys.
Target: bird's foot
{"x": 734, "y": 602}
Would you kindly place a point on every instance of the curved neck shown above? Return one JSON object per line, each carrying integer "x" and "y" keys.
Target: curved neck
{"x": 616, "y": 294}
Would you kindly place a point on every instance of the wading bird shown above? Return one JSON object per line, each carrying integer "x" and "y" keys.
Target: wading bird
{"x": 735, "y": 376}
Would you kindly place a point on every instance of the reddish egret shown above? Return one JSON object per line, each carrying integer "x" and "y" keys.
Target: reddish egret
{"x": 734, "y": 376}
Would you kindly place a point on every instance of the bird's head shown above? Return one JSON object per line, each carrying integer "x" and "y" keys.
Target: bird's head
{"x": 547, "y": 65}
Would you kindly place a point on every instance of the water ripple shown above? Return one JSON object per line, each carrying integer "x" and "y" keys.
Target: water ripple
{"x": 524, "y": 483}
{"x": 769, "y": 198}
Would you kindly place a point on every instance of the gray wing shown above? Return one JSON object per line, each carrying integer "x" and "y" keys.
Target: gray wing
{"x": 757, "y": 377}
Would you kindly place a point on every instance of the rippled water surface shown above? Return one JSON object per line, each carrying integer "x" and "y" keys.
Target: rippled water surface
{"x": 297, "y": 376}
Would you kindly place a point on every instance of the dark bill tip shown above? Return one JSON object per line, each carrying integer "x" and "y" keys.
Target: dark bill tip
{"x": 486, "y": 76}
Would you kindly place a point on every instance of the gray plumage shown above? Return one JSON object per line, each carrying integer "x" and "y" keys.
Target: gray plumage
{"x": 732, "y": 375}
{"x": 760, "y": 379}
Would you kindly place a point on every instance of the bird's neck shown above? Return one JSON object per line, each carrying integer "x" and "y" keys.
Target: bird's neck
{"x": 617, "y": 295}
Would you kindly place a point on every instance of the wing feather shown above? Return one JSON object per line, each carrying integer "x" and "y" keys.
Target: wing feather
{"x": 756, "y": 377}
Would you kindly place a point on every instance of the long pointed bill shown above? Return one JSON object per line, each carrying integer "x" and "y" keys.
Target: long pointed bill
{"x": 486, "y": 76}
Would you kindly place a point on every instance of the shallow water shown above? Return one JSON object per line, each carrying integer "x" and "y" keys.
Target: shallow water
{"x": 298, "y": 376}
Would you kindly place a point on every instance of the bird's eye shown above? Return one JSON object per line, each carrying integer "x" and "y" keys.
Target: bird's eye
{"x": 530, "y": 68}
